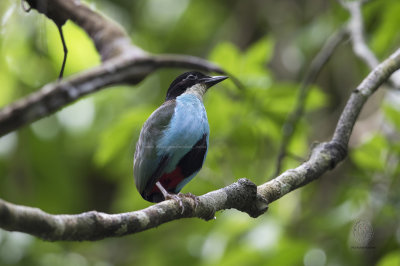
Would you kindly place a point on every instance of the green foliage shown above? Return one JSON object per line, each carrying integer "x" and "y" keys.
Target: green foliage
{"x": 392, "y": 114}
{"x": 81, "y": 158}
{"x": 114, "y": 139}
{"x": 249, "y": 67}
{"x": 371, "y": 155}
{"x": 390, "y": 259}
{"x": 386, "y": 32}
{"x": 79, "y": 46}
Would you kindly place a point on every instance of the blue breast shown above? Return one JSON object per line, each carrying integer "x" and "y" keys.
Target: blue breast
{"x": 188, "y": 125}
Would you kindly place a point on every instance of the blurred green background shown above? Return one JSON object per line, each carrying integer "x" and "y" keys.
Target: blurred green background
{"x": 80, "y": 159}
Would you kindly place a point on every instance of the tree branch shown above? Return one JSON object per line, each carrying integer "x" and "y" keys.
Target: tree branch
{"x": 325, "y": 156}
{"x": 93, "y": 225}
{"x": 123, "y": 63}
{"x": 355, "y": 28}
{"x": 54, "y": 96}
{"x": 109, "y": 38}
{"x": 126, "y": 63}
{"x": 242, "y": 195}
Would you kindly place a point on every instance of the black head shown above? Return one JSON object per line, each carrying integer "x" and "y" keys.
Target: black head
{"x": 188, "y": 80}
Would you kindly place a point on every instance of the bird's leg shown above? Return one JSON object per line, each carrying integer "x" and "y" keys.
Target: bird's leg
{"x": 162, "y": 189}
{"x": 170, "y": 196}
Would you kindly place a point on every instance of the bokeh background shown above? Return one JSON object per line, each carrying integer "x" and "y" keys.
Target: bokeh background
{"x": 80, "y": 158}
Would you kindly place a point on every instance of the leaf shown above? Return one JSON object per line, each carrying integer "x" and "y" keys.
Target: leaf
{"x": 248, "y": 66}
{"x": 228, "y": 56}
{"x": 371, "y": 155}
{"x": 386, "y": 34}
{"x": 392, "y": 114}
{"x": 390, "y": 259}
{"x": 81, "y": 51}
{"x": 121, "y": 135}
{"x": 316, "y": 99}
{"x": 258, "y": 55}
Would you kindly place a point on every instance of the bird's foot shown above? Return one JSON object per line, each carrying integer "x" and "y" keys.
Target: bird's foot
{"x": 176, "y": 198}
{"x": 193, "y": 197}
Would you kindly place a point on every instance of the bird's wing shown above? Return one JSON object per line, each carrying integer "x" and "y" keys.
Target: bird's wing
{"x": 148, "y": 162}
{"x": 192, "y": 162}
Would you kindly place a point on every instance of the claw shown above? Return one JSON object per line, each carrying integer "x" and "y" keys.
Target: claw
{"x": 168, "y": 196}
{"x": 193, "y": 197}
{"x": 176, "y": 198}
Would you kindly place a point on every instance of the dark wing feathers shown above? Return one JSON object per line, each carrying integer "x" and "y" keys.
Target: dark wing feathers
{"x": 146, "y": 160}
{"x": 193, "y": 160}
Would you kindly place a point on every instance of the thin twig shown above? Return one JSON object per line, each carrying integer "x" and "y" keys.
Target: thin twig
{"x": 355, "y": 28}
{"x": 65, "y": 52}
{"x": 315, "y": 68}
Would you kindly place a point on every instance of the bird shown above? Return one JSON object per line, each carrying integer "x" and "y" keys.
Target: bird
{"x": 173, "y": 142}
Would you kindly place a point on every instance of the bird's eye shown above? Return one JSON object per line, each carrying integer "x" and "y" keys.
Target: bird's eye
{"x": 192, "y": 77}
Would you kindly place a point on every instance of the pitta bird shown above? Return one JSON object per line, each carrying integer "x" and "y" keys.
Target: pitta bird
{"x": 173, "y": 142}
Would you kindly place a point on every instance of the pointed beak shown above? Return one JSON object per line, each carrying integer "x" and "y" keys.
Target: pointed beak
{"x": 211, "y": 81}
